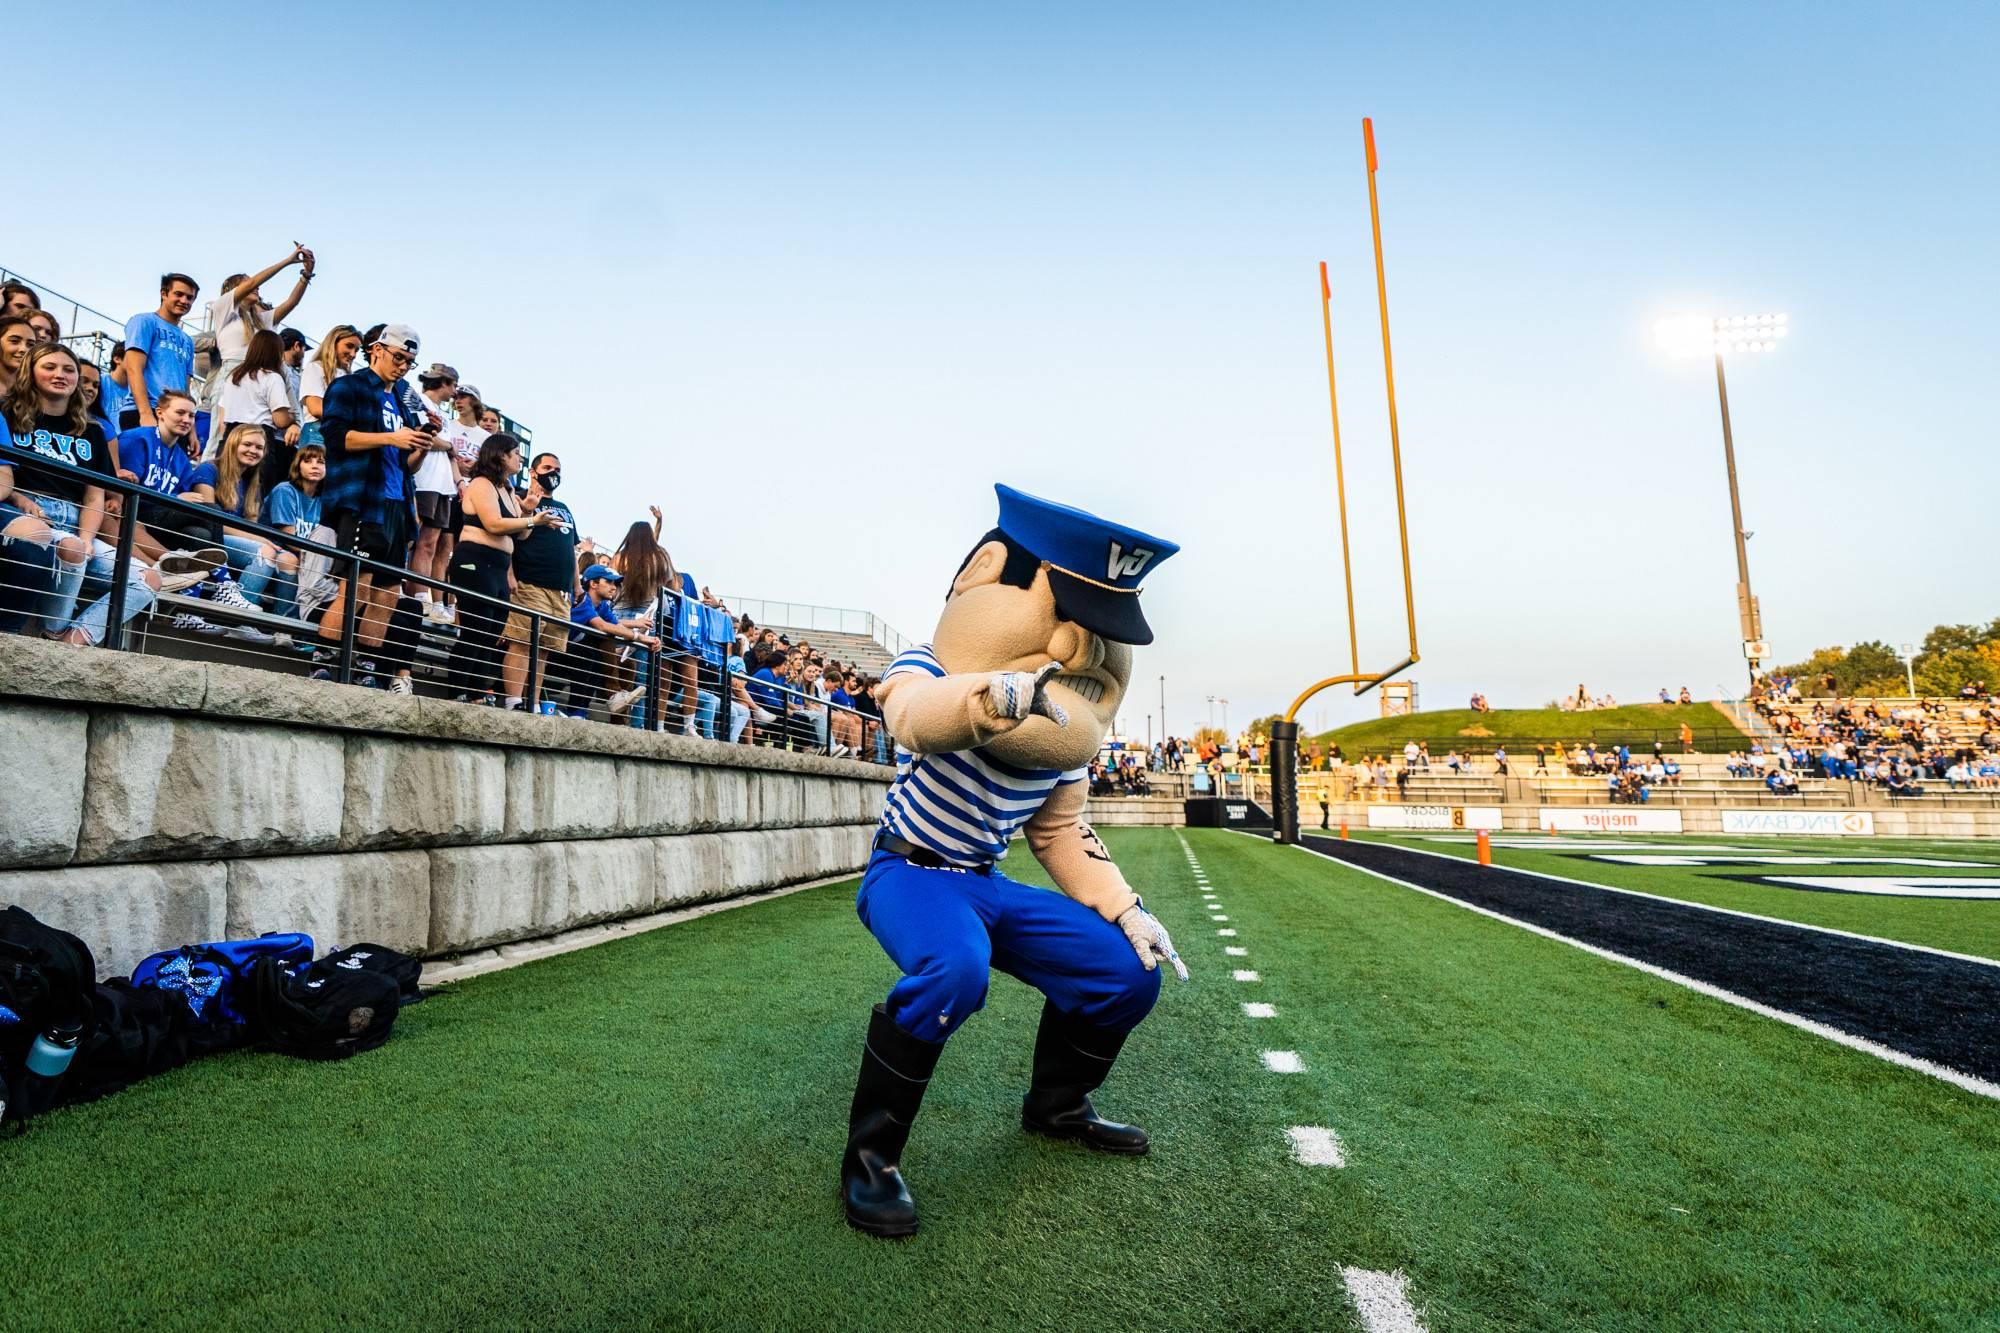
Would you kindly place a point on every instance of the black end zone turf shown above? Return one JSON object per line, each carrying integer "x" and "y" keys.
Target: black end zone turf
{"x": 1945, "y": 1010}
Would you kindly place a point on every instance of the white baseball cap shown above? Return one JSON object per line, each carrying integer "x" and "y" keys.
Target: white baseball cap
{"x": 401, "y": 337}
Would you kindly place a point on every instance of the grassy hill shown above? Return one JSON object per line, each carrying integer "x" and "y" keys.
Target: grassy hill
{"x": 1461, "y": 728}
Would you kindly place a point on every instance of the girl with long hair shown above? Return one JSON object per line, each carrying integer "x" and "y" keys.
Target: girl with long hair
{"x": 238, "y": 314}
{"x": 329, "y": 363}
{"x": 46, "y": 415}
{"x": 482, "y": 563}
{"x": 233, "y": 483}
{"x": 256, "y": 394}
{"x": 648, "y": 571}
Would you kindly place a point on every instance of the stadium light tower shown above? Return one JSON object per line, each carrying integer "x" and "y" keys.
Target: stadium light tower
{"x": 1695, "y": 335}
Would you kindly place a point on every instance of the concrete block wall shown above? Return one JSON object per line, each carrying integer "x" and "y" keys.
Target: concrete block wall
{"x": 147, "y": 802}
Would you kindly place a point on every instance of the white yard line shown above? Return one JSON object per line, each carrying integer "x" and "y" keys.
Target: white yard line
{"x": 1382, "y": 1300}
{"x": 1313, "y": 1146}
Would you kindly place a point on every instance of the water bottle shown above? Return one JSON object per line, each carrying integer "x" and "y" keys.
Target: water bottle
{"x": 48, "y": 1060}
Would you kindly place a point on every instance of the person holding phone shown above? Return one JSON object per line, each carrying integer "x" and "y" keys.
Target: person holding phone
{"x": 545, "y": 583}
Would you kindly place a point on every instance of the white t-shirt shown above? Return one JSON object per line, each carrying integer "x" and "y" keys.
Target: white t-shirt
{"x": 232, "y": 334}
{"x": 312, "y": 384}
{"x": 465, "y": 441}
{"x": 253, "y": 400}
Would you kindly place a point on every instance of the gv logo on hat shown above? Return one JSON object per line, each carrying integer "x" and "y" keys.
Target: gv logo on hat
{"x": 1128, "y": 565}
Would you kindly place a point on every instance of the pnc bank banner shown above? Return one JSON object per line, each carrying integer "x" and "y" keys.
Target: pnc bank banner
{"x": 1434, "y": 816}
{"x": 1807, "y": 823}
{"x": 1610, "y": 819}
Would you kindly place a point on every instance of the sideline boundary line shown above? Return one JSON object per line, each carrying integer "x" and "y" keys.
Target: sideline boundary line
{"x": 1968, "y": 1082}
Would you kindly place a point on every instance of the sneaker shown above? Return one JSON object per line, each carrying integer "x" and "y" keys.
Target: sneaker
{"x": 437, "y": 613}
{"x": 623, "y": 700}
{"x": 224, "y": 592}
{"x": 184, "y": 569}
{"x": 489, "y": 700}
{"x": 188, "y": 623}
{"x": 320, "y": 673}
{"x": 250, "y": 634}
{"x": 402, "y": 685}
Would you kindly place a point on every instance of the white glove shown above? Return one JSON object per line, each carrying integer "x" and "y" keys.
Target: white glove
{"x": 1017, "y": 695}
{"x": 1150, "y": 939}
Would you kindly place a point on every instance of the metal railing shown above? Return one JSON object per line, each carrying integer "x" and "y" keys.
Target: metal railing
{"x": 704, "y": 697}
{"x": 806, "y": 616}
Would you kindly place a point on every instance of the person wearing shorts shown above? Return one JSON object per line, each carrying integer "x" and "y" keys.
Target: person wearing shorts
{"x": 371, "y": 450}
{"x": 545, "y": 581}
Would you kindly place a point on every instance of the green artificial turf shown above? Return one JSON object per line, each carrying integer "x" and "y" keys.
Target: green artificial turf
{"x": 1962, "y": 925}
{"x": 646, "y": 1134}
{"x": 1448, "y": 728}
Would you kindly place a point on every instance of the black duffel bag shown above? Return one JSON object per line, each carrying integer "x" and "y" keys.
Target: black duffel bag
{"x": 341, "y": 1005}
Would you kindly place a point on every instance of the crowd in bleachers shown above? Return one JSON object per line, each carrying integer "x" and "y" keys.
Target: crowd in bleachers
{"x": 1899, "y": 746}
{"x": 359, "y": 445}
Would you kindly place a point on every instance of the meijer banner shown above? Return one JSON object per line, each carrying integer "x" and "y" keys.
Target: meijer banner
{"x": 1610, "y": 819}
{"x": 1814, "y": 823}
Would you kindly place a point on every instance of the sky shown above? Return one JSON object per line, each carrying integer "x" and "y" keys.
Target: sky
{"x": 813, "y": 278}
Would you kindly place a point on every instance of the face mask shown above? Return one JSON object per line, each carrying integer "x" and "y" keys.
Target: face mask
{"x": 549, "y": 481}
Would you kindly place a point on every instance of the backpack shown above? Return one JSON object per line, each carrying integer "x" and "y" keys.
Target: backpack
{"x": 208, "y": 978}
{"x": 341, "y": 1005}
{"x": 45, "y": 978}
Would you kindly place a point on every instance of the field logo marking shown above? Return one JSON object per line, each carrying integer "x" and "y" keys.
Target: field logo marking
{"x": 1889, "y": 885}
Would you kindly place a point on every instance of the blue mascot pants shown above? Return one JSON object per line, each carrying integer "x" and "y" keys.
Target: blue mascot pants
{"x": 947, "y": 928}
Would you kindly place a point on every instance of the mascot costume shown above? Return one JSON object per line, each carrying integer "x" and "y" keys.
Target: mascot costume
{"x": 995, "y": 721}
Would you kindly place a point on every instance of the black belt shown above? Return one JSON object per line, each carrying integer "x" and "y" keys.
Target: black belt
{"x": 924, "y": 856}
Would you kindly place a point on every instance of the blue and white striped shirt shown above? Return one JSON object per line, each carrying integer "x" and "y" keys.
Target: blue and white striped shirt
{"x": 967, "y": 805}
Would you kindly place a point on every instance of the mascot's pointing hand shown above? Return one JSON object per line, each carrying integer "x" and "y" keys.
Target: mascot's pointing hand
{"x": 1016, "y": 695}
{"x": 1150, "y": 939}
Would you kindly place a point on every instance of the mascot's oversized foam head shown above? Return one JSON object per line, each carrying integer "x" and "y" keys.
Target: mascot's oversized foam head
{"x": 1050, "y": 582}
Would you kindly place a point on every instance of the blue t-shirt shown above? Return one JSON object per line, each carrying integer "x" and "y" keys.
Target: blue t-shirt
{"x": 169, "y": 353}
{"x": 115, "y": 400}
{"x": 160, "y": 466}
{"x": 585, "y": 610}
{"x": 290, "y": 507}
{"x": 767, "y": 689}
{"x": 205, "y": 475}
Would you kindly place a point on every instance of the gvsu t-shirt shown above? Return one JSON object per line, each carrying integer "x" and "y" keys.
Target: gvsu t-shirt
{"x": 546, "y": 557}
{"x": 160, "y": 466}
{"x": 73, "y": 458}
{"x": 169, "y": 353}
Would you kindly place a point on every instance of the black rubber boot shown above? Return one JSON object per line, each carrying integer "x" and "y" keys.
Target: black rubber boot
{"x": 895, "y": 1070}
{"x": 1072, "y": 1058}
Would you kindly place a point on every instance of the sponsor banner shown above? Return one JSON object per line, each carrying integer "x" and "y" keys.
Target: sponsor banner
{"x": 1434, "y": 816}
{"x": 1810, "y": 823}
{"x": 1610, "y": 819}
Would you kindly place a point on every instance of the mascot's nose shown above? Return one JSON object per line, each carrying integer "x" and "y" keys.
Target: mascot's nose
{"x": 1076, "y": 647}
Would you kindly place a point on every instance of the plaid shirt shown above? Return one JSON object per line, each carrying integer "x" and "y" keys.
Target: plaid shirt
{"x": 354, "y": 481}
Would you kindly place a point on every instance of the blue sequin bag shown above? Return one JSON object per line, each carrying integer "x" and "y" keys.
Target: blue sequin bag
{"x": 208, "y": 978}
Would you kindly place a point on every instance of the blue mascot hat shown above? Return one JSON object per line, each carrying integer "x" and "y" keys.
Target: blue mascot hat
{"x": 1095, "y": 566}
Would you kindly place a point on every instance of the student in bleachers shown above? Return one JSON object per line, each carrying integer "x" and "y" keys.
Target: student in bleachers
{"x": 159, "y": 354}
{"x": 27, "y": 554}
{"x": 46, "y": 416}
{"x": 336, "y": 353}
{"x": 294, "y": 506}
{"x": 233, "y": 483}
